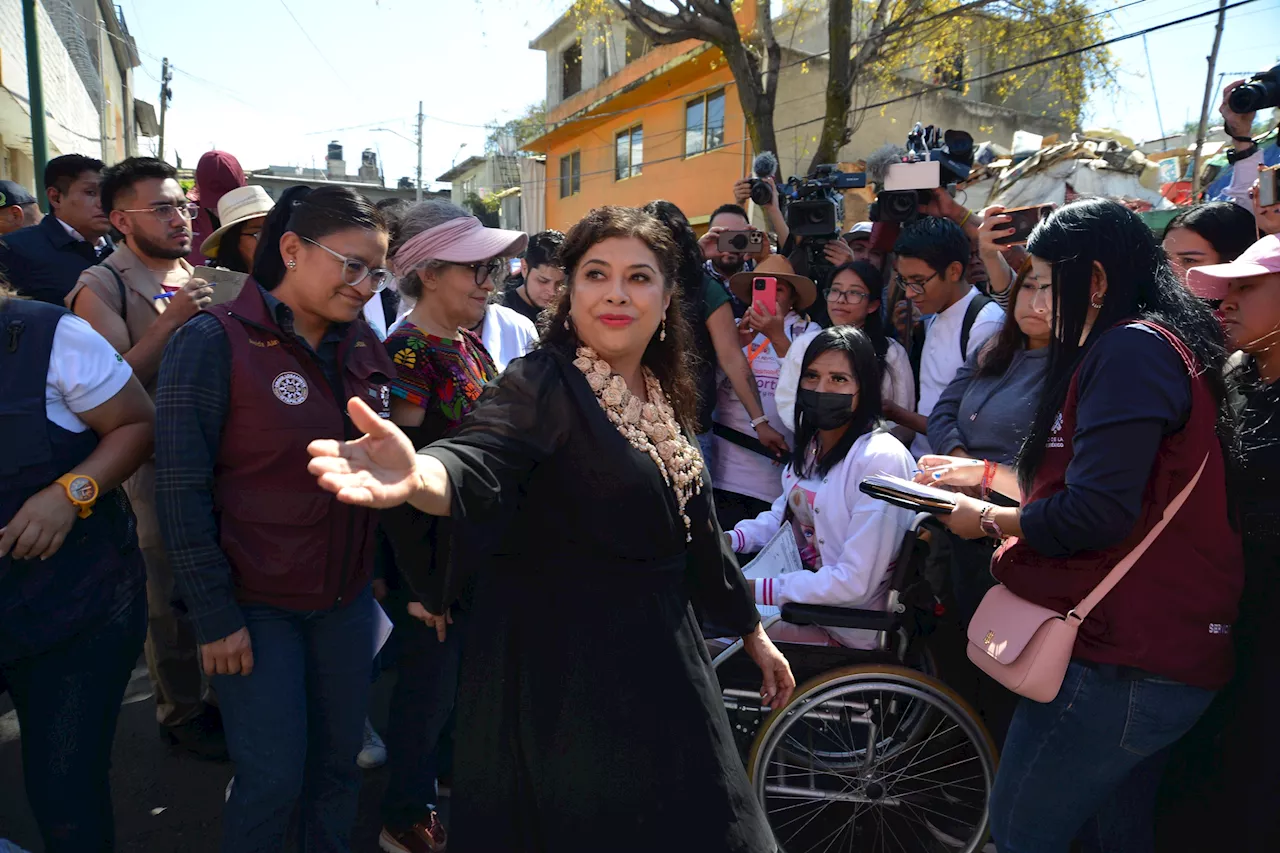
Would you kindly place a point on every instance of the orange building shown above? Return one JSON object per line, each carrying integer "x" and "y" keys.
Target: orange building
{"x": 629, "y": 123}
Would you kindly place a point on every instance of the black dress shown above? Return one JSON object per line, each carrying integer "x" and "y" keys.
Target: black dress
{"x": 588, "y": 714}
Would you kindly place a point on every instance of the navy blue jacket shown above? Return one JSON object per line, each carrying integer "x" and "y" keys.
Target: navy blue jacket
{"x": 44, "y": 262}
{"x": 98, "y": 569}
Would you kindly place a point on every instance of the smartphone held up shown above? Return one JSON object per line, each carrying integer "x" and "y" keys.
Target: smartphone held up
{"x": 1023, "y": 220}
{"x": 764, "y": 292}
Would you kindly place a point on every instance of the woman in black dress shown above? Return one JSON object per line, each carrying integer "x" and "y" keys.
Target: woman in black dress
{"x": 588, "y": 714}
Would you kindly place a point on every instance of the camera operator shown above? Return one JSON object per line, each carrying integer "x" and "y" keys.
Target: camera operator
{"x": 777, "y": 221}
{"x": 722, "y": 265}
{"x": 1245, "y": 156}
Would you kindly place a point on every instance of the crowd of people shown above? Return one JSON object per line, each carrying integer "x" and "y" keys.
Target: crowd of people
{"x": 233, "y": 424}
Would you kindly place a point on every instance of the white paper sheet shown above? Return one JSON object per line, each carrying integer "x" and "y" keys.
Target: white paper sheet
{"x": 779, "y": 557}
{"x": 381, "y": 628}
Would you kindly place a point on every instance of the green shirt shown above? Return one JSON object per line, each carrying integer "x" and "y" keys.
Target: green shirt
{"x": 713, "y": 296}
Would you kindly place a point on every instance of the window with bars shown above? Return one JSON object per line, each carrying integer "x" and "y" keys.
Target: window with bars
{"x": 704, "y": 123}
{"x": 570, "y": 174}
{"x": 629, "y": 153}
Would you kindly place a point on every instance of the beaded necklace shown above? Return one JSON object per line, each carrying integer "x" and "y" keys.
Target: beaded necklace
{"x": 649, "y": 427}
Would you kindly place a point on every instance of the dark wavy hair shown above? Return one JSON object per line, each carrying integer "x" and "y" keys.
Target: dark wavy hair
{"x": 1225, "y": 225}
{"x": 667, "y": 359}
{"x": 313, "y": 214}
{"x": 1140, "y": 285}
{"x": 865, "y": 366}
{"x": 995, "y": 357}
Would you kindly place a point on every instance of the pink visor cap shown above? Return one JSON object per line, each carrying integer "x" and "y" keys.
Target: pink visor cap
{"x": 1262, "y": 258}
{"x": 462, "y": 241}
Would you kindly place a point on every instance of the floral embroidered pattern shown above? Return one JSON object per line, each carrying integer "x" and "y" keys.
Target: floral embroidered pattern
{"x": 435, "y": 372}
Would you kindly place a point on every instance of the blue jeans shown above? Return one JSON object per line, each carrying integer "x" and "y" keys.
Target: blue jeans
{"x": 1071, "y": 762}
{"x": 426, "y": 687}
{"x": 295, "y": 725}
{"x": 68, "y": 701}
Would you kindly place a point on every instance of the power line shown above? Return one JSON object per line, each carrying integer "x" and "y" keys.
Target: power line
{"x": 1025, "y": 65}
{"x": 305, "y": 35}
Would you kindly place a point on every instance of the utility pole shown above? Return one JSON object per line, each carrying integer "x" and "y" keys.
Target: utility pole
{"x": 1204, "y": 107}
{"x": 419, "y": 151}
{"x": 35, "y": 89}
{"x": 166, "y": 95}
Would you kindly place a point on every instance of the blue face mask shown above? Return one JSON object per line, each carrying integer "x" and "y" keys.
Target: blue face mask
{"x": 825, "y": 409}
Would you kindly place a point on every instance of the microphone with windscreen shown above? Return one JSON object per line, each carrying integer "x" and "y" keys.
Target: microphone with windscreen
{"x": 765, "y": 166}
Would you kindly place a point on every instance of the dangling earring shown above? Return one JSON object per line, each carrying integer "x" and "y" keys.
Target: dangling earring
{"x": 662, "y": 335}
{"x": 566, "y": 324}
{"x": 1096, "y": 304}
{"x": 293, "y": 265}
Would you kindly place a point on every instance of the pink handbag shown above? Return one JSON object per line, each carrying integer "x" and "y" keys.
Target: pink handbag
{"x": 1027, "y": 647}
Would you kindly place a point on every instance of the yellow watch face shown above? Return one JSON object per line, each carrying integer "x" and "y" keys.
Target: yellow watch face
{"x": 82, "y": 490}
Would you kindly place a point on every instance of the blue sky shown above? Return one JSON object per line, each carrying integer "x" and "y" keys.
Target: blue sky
{"x": 250, "y": 80}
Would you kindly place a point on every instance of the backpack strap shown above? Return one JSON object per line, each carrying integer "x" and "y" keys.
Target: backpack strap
{"x": 124, "y": 294}
{"x": 971, "y": 313}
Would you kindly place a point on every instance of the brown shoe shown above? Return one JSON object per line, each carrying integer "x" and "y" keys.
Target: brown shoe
{"x": 426, "y": 836}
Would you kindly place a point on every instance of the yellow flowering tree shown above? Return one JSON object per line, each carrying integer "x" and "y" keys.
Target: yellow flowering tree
{"x": 882, "y": 49}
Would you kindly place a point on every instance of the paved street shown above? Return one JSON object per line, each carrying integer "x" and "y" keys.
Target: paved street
{"x": 165, "y": 803}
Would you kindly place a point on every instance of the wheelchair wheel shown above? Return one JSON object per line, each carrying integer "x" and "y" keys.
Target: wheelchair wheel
{"x": 913, "y": 765}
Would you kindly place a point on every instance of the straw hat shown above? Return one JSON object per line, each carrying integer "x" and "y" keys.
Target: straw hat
{"x": 238, "y": 205}
{"x": 778, "y": 267}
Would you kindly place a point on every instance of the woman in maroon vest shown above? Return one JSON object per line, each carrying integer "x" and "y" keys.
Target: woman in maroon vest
{"x": 274, "y": 571}
{"x": 1128, "y": 414}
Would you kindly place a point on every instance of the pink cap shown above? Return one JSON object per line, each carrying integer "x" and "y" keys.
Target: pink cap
{"x": 1262, "y": 258}
{"x": 463, "y": 241}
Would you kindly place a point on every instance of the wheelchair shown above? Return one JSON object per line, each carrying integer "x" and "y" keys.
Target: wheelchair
{"x": 873, "y": 752}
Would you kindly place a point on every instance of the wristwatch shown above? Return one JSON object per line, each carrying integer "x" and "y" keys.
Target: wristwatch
{"x": 987, "y": 521}
{"x": 755, "y": 422}
{"x": 82, "y": 490}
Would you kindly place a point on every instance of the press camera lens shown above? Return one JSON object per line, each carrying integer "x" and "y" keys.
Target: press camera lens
{"x": 1260, "y": 93}
{"x": 761, "y": 192}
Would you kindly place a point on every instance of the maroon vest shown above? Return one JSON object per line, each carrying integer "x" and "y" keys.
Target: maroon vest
{"x": 290, "y": 543}
{"x": 1172, "y": 613}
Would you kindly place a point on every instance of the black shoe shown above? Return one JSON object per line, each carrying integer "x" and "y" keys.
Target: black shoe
{"x": 201, "y": 736}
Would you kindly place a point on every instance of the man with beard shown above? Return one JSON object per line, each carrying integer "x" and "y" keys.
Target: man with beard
{"x": 137, "y": 299}
{"x": 722, "y": 265}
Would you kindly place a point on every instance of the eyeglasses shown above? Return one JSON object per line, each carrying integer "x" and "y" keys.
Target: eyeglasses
{"x": 165, "y": 212}
{"x": 355, "y": 271}
{"x": 852, "y": 297}
{"x": 913, "y": 286}
{"x": 484, "y": 269}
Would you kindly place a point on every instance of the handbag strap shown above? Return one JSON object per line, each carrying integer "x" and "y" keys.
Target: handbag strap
{"x": 1081, "y": 610}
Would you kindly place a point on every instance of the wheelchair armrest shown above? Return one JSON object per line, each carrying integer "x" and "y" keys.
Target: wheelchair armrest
{"x": 838, "y": 617}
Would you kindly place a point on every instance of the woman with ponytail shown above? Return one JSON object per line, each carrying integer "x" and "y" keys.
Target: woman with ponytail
{"x": 1131, "y": 415}
{"x": 274, "y": 571}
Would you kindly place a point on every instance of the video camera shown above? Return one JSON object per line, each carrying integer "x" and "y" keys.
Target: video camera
{"x": 815, "y": 211}
{"x": 907, "y": 177}
{"x": 1262, "y": 91}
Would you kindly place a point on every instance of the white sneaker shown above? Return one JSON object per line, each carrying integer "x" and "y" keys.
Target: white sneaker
{"x": 374, "y": 752}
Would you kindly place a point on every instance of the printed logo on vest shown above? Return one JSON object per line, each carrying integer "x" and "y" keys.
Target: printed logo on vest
{"x": 1055, "y": 441}
{"x": 290, "y": 388}
{"x": 1219, "y": 628}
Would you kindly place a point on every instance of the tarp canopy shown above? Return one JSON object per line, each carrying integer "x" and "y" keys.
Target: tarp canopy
{"x": 1081, "y": 166}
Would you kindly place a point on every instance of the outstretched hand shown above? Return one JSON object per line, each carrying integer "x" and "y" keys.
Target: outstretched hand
{"x": 377, "y": 470}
